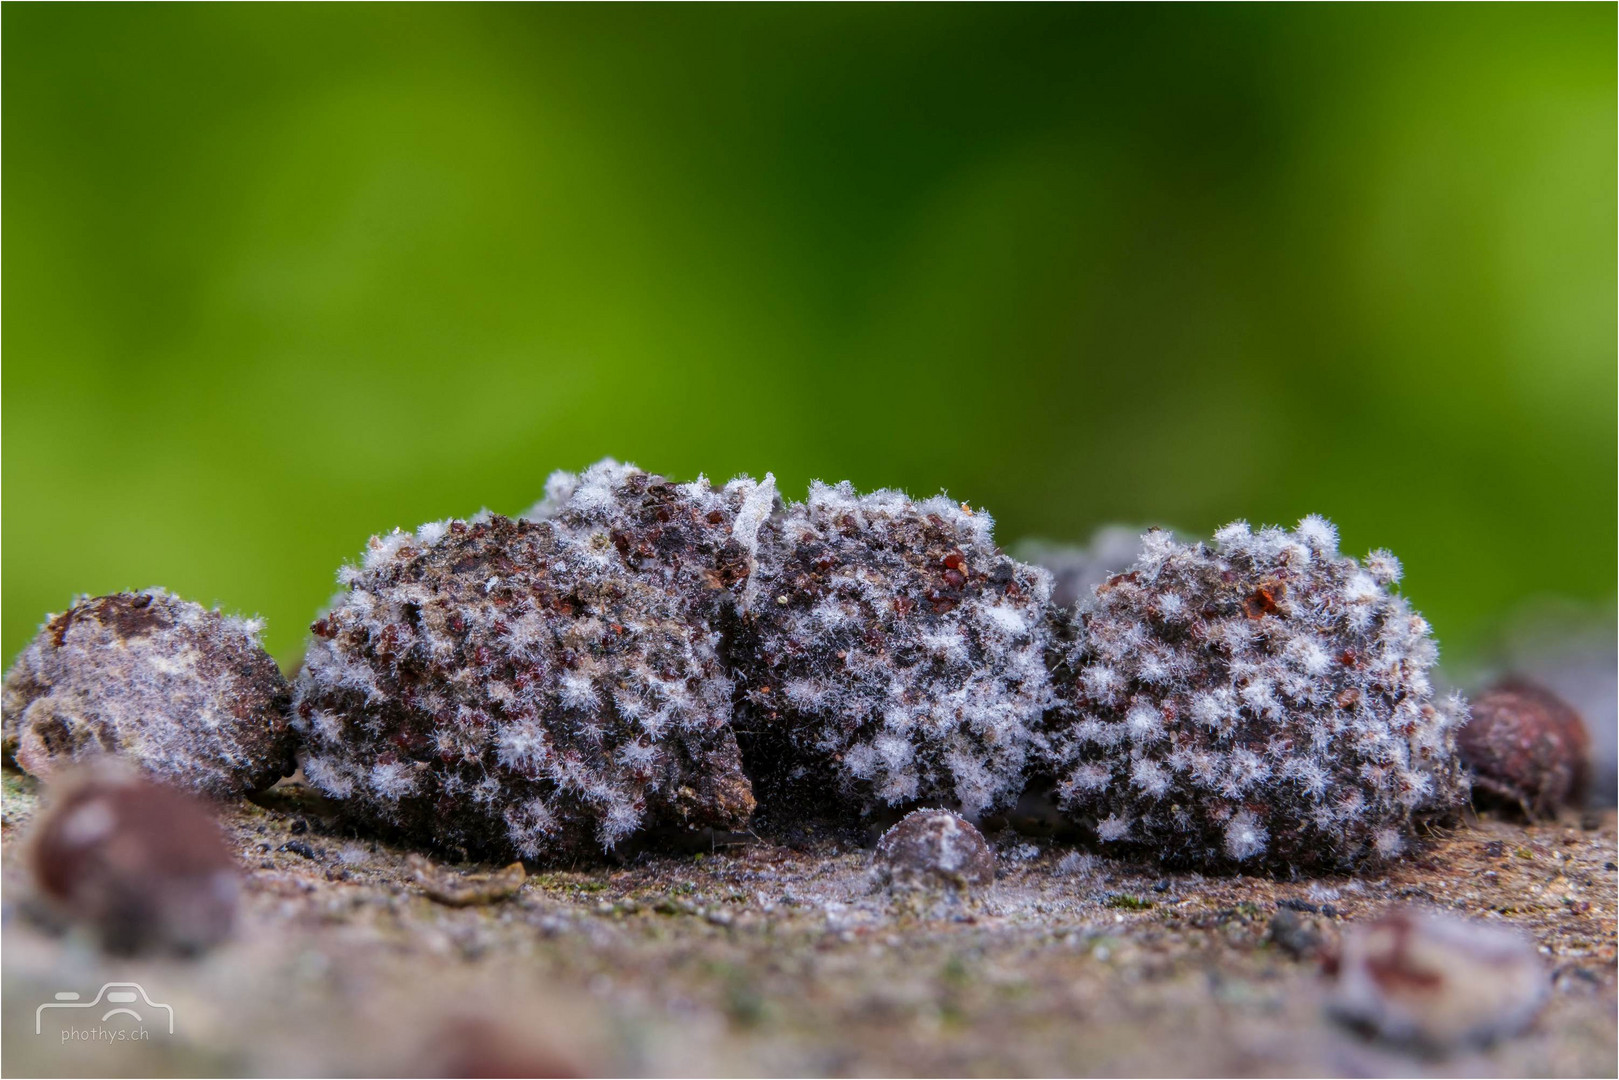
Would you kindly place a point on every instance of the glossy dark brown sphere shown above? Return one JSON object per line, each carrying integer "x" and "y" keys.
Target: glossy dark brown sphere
{"x": 140, "y": 865}
{"x": 1527, "y": 749}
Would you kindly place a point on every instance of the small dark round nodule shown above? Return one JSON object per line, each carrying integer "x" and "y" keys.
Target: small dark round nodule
{"x": 935, "y": 849}
{"x": 142, "y": 866}
{"x": 1526, "y": 749}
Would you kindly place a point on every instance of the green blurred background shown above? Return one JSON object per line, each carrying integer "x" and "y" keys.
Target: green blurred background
{"x": 280, "y": 277}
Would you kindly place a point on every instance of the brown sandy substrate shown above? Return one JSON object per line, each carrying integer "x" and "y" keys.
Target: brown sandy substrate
{"x": 757, "y": 958}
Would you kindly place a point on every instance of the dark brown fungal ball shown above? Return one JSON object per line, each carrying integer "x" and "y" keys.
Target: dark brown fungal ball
{"x": 139, "y": 864}
{"x": 1259, "y": 703}
{"x": 536, "y": 687}
{"x": 1435, "y": 983}
{"x": 1526, "y": 749}
{"x": 893, "y": 655}
{"x": 187, "y": 693}
{"x": 934, "y": 849}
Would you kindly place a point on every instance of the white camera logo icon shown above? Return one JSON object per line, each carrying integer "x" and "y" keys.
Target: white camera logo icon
{"x": 119, "y": 995}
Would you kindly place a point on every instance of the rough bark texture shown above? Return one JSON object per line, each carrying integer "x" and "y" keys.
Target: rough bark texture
{"x": 760, "y": 959}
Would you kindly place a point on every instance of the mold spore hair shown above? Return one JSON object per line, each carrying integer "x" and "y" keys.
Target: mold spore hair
{"x": 893, "y": 655}
{"x": 1261, "y": 702}
{"x": 186, "y": 693}
{"x": 536, "y": 686}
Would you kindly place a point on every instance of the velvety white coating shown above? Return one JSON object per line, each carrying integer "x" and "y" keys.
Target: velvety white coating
{"x": 528, "y": 687}
{"x": 186, "y": 693}
{"x": 895, "y": 649}
{"x": 1261, "y": 701}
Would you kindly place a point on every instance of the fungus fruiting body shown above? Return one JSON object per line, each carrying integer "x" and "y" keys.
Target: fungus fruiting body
{"x": 186, "y": 693}
{"x": 934, "y": 849}
{"x": 1527, "y": 749}
{"x": 539, "y": 685}
{"x": 139, "y": 864}
{"x": 634, "y": 654}
{"x": 892, "y": 655}
{"x": 1261, "y": 702}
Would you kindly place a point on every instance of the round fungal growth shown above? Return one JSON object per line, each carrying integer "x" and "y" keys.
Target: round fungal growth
{"x": 1526, "y": 749}
{"x": 139, "y": 864}
{"x": 538, "y": 686}
{"x": 893, "y": 655}
{"x": 186, "y": 693}
{"x": 1263, "y": 702}
{"x": 934, "y": 849}
{"x": 1436, "y": 983}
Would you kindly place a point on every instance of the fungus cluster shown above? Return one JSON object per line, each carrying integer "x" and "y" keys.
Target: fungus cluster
{"x": 1077, "y": 569}
{"x": 635, "y": 654}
